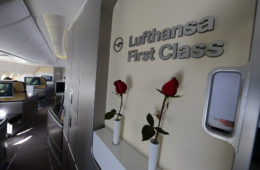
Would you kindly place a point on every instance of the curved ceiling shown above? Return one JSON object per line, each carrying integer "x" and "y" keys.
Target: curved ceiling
{"x": 53, "y": 18}
{"x": 35, "y": 29}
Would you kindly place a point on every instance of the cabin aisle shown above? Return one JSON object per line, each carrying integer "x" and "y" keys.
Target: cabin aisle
{"x": 29, "y": 151}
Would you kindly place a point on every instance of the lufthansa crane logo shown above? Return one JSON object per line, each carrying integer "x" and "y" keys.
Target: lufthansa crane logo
{"x": 118, "y": 44}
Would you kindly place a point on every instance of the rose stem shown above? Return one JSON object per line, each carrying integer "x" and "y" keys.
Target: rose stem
{"x": 160, "y": 118}
{"x": 121, "y": 96}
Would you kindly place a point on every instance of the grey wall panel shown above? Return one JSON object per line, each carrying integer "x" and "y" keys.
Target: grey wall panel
{"x": 73, "y": 135}
{"x": 74, "y": 85}
{"x": 58, "y": 74}
{"x": 67, "y": 88}
{"x": 54, "y": 131}
{"x": 250, "y": 123}
{"x": 93, "y": 77}
{"x": 87, "y": 68}
{"x": 64, "y": 153}
{"x": 75, "y": 67}
{"x": 66, "y": 125}
{"x": 90, "y": 25}
{"x": 103, "y": 61}
{"x": 71, "y": 163}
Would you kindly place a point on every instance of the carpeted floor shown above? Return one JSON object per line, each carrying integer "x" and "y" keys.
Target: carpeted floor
{"x": 29, "y": 150}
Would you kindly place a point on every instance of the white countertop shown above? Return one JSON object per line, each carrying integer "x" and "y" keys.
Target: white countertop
{"x": 116, "y": 157}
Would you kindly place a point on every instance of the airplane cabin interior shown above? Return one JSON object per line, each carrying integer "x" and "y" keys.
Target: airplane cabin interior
{"x": 129, "y": 85}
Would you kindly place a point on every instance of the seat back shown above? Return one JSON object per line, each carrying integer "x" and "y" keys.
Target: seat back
{"x": 43, "y": 84}
{"x": 8, "y": 78}
{"x": 55, "y": 134}
{"x": 19, "y": 92}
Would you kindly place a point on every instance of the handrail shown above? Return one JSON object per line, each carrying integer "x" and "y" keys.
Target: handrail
{"x": 2, "y": 123}
{"x": 55, "y": 117}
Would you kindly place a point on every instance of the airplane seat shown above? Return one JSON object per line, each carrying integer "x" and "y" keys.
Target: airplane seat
{"x": 19, "y": 108}
{"x": 44, "y": 92}
{"x": 19, "y": 92}
{"x": 61, "y": 114}
{"x": 8, "y": 78}
{"x": 19, "y": 87}
{"x": 3, "y": 128}
{"x": 55, "y": 132}
{"x": 58, "y": 110}
{"x": 43, "y": 84}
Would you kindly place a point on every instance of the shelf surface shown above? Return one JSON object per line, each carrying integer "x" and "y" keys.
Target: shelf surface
{"x": 117, "y": 157}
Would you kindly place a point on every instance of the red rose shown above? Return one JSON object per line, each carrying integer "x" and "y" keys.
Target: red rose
{"x": 175, "y": 82}
{"x": 170, "y": 88}
{"x": 120, "y": 86}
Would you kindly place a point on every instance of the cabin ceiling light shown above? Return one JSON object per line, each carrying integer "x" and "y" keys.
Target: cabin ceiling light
{"x": 13, "y": 59}
{"x": 57, "y": 29}
{"x": 61, "y": 56}
{"x": 4, "y": 56}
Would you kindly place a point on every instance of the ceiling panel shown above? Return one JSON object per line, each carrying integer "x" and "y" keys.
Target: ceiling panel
{"x": 12, "y": 12}
{"x": 25, "y": 40}
{"x": 53, "y": 18}
{"x": 20, "y": 36}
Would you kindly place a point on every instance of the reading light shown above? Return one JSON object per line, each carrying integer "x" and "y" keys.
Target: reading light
{"x": 61, "y": 56}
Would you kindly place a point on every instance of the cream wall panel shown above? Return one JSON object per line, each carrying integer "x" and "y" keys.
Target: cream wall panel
{"x": 187, "y": 146}
{"x": 44, "y": 71}
{"x": 18, "y": 70}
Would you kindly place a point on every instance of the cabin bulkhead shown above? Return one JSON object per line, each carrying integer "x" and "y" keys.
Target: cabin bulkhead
{"x": 129, "y": 85}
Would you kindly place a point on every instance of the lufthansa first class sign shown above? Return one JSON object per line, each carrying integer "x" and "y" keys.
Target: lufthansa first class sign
{"x": 174, "y": 50}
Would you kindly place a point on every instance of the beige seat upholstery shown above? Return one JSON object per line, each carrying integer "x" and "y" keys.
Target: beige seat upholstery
{"x": 43, "y": 84}
{"x": 62, "y": 115}
{"x": 19, "y": 93}
{"x": 8, "y": 78}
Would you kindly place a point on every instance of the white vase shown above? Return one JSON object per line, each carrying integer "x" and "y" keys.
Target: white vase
{"x": 153, "y": 155}
{"x": 117, "y": 127}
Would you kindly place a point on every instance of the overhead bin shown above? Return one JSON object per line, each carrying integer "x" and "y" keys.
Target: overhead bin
{"x": 24, "y": 39}
{"x": 13, "y": 11}
{"x": 20, "y": 35}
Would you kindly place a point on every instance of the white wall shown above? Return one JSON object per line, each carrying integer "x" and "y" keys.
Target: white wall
{"x": 187, "y": 146}
{"x": 17, "y": 70}
{"x": 44, "y": 71}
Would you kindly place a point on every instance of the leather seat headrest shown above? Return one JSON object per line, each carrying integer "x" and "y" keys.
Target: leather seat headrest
{"x": 18, "y": 87}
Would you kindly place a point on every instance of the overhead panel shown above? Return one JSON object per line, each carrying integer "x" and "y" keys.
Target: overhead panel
{"x": 12, "y": 11}
{"x": 24, "y": 39}
{"x": 56, "y": 27}
{"x": 14, "y": 59}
